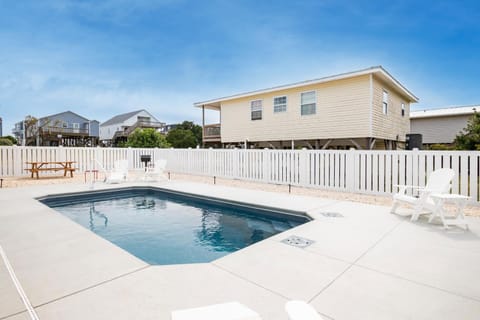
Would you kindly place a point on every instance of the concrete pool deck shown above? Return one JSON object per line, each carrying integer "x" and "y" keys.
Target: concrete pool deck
{"x": 368, "y": 264}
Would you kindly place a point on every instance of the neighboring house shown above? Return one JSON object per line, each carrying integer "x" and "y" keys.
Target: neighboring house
{"x": 65, "y": 129}
{"x": 440, "y": 126}
{"x": 68, "y": 129}
{"x": 118, "y": 128}
{"x": 366, "y": 109}
{"x": 19, "y": 132}
{"x": 167, "y": 128}
{"x": 1, "y": 127}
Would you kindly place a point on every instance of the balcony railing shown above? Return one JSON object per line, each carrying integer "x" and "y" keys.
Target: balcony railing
{"x": 144, "y": 124}
{"x": 212, "y": 132}
{"x": 67, "y": 131}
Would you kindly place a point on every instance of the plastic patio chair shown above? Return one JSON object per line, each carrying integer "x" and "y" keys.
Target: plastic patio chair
{"x": 439, "y": 182}
{"x": 223, "y": 311}
{"x": 300, "y": 310}
{"x": 119, "y": 172}
{"x": 156, "y": 173}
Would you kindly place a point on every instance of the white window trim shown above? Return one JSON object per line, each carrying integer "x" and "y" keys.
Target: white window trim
{"x": 403, "y": 109}
{"x": 286, "y": 103}
{"x": 76, "y": 125}
{"x": 316, "y": 103}
{"x": 250, "y": 106}
{"x": 385, "y": 110}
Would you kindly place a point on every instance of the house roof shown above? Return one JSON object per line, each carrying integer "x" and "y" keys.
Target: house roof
{"x": 444, "y": 112}
{"x": 121, "y": 117}
{"x": 378, "y": 70}
{"x": 60, "y": 113}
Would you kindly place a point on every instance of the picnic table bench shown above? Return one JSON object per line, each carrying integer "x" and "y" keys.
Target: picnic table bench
{"x": 37, "y": 166}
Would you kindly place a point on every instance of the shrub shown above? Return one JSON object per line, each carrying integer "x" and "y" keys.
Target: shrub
{"x": 439, "y": 146}
{"x": 14, "y": 141}
{"x": 181, "y": 138}
{"x": 469, "y": 137}
{"x": 147, "y": 138}
{"x": 5, "y": 142}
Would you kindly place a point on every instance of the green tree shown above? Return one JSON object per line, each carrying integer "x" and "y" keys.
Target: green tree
{"x": 30, "y": 130}
{"x": 194, "y": 128}
{"x": 440, "y": 146}
{"x": 181, "y": 138}
{"x": 469, "y": 137}
{"x": 5, "y": 142}
{"x": 146, "y": 138}
{"x": 12, "y": 139}
{"x": 33, "y": 128}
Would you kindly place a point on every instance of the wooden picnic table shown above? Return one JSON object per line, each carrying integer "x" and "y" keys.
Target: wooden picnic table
{"x": 37, "y": 166}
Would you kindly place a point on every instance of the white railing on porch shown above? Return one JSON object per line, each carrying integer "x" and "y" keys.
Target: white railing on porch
{"x": 373, "y": 172}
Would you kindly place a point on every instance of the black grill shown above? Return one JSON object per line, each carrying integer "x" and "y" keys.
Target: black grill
{"x": 145, "y": 158}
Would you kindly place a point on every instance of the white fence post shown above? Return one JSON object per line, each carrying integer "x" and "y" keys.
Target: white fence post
{"x": 304, "y": 168}
{"x": 211, "y": 162}
{"x": 236, "y": 163}
{"x": 350, "y": 171}
{"x": 63, "y": 153}
{"x": 130, "y": 158}
{"x": 17, "y": 162}
{"x": 266, "y": 166}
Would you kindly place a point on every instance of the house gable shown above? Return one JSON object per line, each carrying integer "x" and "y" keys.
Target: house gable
{"x": 64, "y": 118}
{"x": 127, "y": 117}
{"x": 121, "y": 121}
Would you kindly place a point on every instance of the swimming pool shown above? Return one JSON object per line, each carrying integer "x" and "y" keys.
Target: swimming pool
{"x": 164, "y": 227}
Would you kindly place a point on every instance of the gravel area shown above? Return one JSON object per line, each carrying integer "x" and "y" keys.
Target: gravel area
{"x": 13, "y": 182}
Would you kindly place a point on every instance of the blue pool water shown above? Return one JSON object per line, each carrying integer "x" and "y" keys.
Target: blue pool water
{"x": 166, "y": 228}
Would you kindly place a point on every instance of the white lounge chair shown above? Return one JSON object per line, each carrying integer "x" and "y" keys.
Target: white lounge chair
{"x": 156, "y": 172}
{"x": 119, "y": 172}
{"x": 439, "y": 182}
{"x": 300, "y": 310}
{"x": 223, "y": 311}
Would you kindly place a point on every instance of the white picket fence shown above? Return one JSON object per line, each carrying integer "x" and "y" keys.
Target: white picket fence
{"x": 373, "y": 172}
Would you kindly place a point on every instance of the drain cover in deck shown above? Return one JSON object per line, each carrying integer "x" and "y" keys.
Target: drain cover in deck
{"x": 331, "y": 214}
{"x": 297, "y": 241}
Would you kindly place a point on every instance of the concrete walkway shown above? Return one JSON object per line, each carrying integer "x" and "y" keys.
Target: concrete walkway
{"x": 366, "y": 264}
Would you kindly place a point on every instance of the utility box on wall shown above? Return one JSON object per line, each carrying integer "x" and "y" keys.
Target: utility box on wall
{"x": 413, "y": 140}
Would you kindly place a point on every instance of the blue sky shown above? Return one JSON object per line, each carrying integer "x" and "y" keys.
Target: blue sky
{"x": 101, "y": 58}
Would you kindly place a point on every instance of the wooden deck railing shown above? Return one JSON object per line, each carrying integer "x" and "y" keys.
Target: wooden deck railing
{"x": 63, "y": 131}
{"x": 212, "y": 132}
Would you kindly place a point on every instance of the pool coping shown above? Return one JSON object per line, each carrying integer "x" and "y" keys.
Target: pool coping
{"x": 273, "y": 209}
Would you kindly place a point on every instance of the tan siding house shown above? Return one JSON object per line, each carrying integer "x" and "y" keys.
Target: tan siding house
{"x": 394, "y": 124}
{"x": 440, "y": 125}
{"x": 340, "y": 111}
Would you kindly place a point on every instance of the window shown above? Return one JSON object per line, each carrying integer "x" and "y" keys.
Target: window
{"x": 403, "y": 109}
{"x": 143, "y": 119}
{"x": 256, "y": 109}
{"x": 385, "y": 102}
{"x": 76, "y": 125}
{"x": 64, "y": 125}
{"x": 308, "y": 103}
{"x": 280, "y": 104}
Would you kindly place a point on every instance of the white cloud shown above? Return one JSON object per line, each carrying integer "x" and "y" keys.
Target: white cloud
{"x": 91, "y": 97}
{"x": 115, "y": 11}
